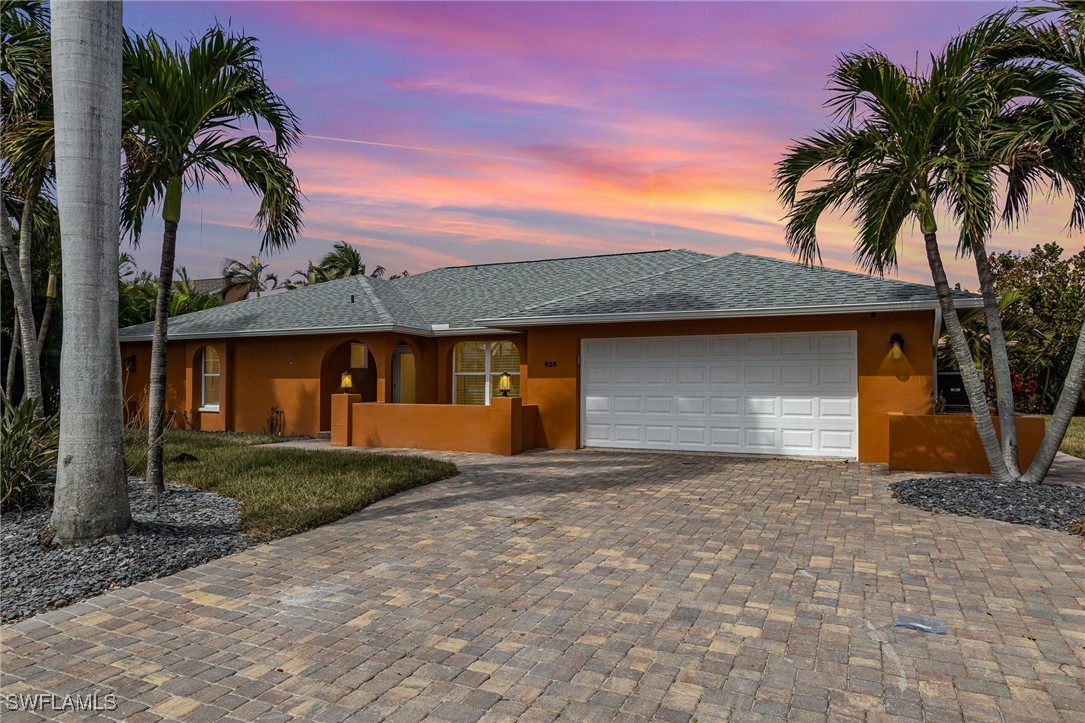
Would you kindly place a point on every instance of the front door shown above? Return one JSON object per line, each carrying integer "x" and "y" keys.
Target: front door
{"x": 403, "y": 375}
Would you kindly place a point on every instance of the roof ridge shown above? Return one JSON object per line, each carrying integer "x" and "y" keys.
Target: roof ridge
{"x": 635, "y": 280}
{"x": 387, "y": 285}
{"x": 822, "y": 266}
{"x": 559, "y": 258}
{"x": 374, "y": 300}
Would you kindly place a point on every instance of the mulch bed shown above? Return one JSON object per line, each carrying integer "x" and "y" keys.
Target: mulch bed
{"x": 1055, "y": 507}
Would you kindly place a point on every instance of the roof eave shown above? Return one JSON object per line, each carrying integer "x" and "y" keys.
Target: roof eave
{"x": 368, "y": 329}
{"x": 616, "y": 318}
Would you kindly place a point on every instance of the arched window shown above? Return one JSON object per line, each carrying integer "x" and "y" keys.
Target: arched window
{"x": 209, "y": 379}
{"x": 477, "y": 367}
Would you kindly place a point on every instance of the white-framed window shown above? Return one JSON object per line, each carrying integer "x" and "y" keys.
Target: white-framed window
{"x": 359, "y": 356}
{"x": 209, "y": 380}
{"x": 477, "y": 367}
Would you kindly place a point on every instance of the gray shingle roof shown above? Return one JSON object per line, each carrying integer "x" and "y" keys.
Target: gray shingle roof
{"x": 736, "y": 282}
{"x": 462, "y": 297}
{"x": 459, "y": 295}
{"x": 350, "y": 303}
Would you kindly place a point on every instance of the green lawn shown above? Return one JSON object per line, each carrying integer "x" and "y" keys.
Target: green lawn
{"x": 284, "y": 491}
{"x": 1074, "y": 442}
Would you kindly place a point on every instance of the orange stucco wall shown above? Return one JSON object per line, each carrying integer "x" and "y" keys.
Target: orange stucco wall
{"x": 950, "y": 443}
{"x": 299, "y": 374}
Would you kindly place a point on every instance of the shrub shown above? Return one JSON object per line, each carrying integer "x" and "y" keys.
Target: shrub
{"x": 28, "y": 453}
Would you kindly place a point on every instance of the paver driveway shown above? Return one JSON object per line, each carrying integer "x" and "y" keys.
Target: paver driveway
{"x": 596, "y": 585}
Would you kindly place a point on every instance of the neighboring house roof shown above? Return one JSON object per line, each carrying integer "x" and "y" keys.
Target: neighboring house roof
{"x": 618, "y": 287}
{"x": 216, "y": 286}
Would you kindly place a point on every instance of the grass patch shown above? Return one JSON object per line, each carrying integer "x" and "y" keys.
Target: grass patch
{"x": 1074, "y": 441}
{"x": 285, "y": 491}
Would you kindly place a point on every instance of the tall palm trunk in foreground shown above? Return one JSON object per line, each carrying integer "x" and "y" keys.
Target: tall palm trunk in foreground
{"x": 91, "y": 498}
{"x": 973, "y": 385}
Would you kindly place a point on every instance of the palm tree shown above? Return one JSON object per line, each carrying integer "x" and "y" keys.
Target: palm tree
{"x": 1047, "y": 35}
{"x": 27, "y": 141}
{"x": 343, "y": 261}
{"x": 253, "y": 277}
{"x": 182, "y": 113}
{"x": 310, "y": 275}
{"x": 907, "y": 144}
{"x": 186, "y": 298}
{"x": 91, "y": 497}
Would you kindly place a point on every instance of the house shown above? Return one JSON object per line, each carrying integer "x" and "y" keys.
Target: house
{"x": 217, "y": 287}
{"x": 670, "y": 350}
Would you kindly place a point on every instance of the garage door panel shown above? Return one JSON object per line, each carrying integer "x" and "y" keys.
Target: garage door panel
{"x": 836, "y": 408}
{"x": 839, "y": 441}
{"x": 597, "y": 349}
{"x": 659, "y": 434}
{"x": 797, "y": 375}
{"x": 803, "y": 345}
{"x": 757, "y": 438}
{"x": 726, "y": 406}
{"x": 597, "y": 404}
{"x": 690, "y": 405}
{"x": 660, "y": 348}
{"x": 763, "y": 393}
{"x": 798, "y": 407}
{"x": 803, "y": 441}
{"x": 725, "y": 374}
{"x": 842, "y": 343}
{"x": 692, "y": 435}
{"x": 759, "y": 375}
{"x": 761, "y": 407}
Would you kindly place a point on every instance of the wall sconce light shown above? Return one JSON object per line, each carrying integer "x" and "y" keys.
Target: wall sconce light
{"x": 130, "y": 363}
{"x": 504, "y": 384}
{"x": 346, "y": 382}
{"x": 896, "y": 347}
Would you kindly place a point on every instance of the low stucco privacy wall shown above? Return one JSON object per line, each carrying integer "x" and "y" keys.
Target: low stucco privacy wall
{"x": 505, "y": 427}
{"x": 950, "y": 443}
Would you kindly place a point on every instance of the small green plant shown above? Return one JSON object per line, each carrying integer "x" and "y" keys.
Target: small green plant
{"x": 28, "y": 454}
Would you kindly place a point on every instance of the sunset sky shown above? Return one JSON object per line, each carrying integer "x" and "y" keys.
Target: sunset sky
{"x": 454, "y": 133}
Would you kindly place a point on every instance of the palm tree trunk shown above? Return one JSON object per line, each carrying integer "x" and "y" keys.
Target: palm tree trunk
{"x": 47, "y": 315}
{"x": 973, "y": 385}
{"x": 91, "y": 497}
{"x": 13, "y": 361}
{"x": 1060, "y": 420}
{"x": 24, "y": 308}
{"x": 156, "y": 403}
{"x": 1000, "y": 361}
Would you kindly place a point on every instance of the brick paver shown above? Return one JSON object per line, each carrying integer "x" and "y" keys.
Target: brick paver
{"x": 595, "y": 586}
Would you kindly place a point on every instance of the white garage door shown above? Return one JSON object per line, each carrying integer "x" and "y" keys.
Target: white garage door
{"x": 792, "y": 394}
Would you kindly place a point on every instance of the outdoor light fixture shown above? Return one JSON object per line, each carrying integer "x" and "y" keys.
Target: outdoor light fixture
{"x": 896, "y": 347}
{"x": 504, "y": 384}
{"x": 345, "y": 381}
{"x": 130, "y": 363}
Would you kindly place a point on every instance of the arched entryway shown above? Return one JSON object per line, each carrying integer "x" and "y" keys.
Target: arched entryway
{"x": 354, "y": 357}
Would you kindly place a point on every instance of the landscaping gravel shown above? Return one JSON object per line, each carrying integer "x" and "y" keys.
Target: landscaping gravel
{"x": 1056, "y": 507}
{"x": 190, "y": 528}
